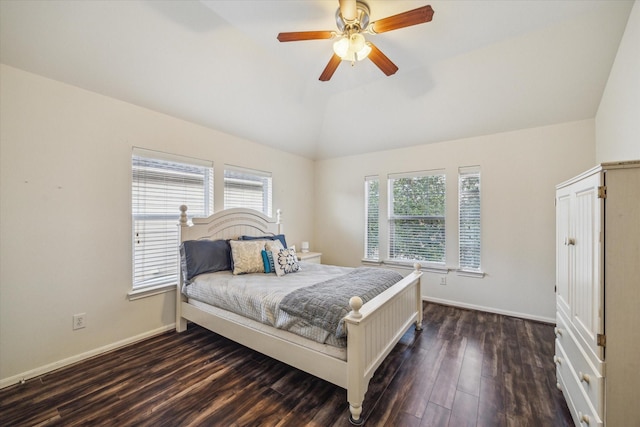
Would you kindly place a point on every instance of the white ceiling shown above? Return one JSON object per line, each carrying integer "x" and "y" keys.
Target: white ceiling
{"x": 480, "y": 67}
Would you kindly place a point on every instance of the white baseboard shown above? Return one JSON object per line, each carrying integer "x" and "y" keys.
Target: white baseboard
{"x": 5, "y": 382}
{"x": 550, "y": 320}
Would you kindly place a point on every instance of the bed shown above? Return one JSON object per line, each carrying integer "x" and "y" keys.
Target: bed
{"x": 372, "y": 328}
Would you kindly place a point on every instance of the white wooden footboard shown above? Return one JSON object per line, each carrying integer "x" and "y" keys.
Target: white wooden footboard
{"x": 374, "y": 329}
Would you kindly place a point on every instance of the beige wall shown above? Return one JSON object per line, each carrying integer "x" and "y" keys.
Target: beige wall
{"x": 65, "y": 215}
{"x": 65, "y": 222}
{"x": 519, "y": 171}
{"x": 618, "y": 117}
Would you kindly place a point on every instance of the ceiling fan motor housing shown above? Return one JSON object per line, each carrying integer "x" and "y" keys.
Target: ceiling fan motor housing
{"x": 358, "y": 24}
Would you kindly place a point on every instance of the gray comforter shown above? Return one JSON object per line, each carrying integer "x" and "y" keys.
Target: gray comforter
{"x": 327, "y": 303}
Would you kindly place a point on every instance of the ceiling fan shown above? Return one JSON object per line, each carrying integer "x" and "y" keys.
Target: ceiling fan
{"x": 352, "y": 18}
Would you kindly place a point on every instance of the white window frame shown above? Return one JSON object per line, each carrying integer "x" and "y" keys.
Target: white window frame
{"x": 371, "y": 219}
{"x": 469, "y": 222}
{"x": 156, "y": 194}
{"x": 423, "y": 253}
{"x": 241, "y": 185}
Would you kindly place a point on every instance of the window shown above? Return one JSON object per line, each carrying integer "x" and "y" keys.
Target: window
{"x": 372, "y": 230}
{"x": 417, "y": 217}
{"x": 246, "y": 188}
{"x": 469, "y": 211}
{"x": 160, "y": 184}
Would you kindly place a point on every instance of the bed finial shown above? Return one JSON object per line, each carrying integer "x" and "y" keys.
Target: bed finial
{"x": 417, "y": 267}
{"x": 183, "y": 214}
{"x": 279, "y": 221}
{"x": 356, "y": 305}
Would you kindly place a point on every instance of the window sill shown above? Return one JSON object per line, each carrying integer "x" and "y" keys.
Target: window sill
{"x": 150, "y": 291}
{"x": 432, "y": 268}
{"x": 471, "y": 273}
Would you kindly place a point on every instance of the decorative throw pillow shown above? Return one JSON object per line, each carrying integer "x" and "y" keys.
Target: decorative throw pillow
{"x": 247, "y": 256}
{"x": 273, "y": 246}
{"x": 267, "y": 260}
{"x": 286, "y": 262}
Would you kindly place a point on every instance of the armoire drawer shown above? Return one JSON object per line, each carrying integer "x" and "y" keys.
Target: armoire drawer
{"x": 583, "y": 412}
{"x": 589, "y": 377}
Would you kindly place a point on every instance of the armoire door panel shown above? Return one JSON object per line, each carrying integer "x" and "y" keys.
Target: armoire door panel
{"x": 586, "y": 295}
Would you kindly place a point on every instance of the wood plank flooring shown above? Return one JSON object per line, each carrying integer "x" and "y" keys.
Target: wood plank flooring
{"x": 466, "y": 368}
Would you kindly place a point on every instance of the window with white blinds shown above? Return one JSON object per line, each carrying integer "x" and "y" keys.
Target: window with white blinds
{"x": 469, "y": 217}
{"x": 417, "y": 217}
{"x": 160, "y": 184}
{"x": 372, "y": 209}
{"x": 247, "y": 188}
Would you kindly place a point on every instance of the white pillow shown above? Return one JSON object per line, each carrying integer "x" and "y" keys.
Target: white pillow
{"x": 286, "y": 261}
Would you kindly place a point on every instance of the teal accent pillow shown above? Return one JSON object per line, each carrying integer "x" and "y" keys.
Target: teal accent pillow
{"x": 267, "y": 259}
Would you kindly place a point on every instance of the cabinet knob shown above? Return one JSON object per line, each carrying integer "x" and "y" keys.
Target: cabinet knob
{"x": 583, "y": 418}
{"x": 585, "y": 378}
{"x": 557, "y": 331}
{"x": 569, "y": 241}
{"x": 557, "y": 360}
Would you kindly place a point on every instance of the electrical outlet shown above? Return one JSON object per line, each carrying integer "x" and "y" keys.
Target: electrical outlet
{"x": 79, "y": 321}
{"x": 443, "y": 280}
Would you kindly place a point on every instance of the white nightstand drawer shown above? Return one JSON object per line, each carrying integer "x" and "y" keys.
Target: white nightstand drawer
{"x": 315, "y": 257}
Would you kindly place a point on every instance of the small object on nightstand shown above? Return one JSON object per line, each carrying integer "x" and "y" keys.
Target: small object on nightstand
{"x": 314, "y": 257}
{"x": 305, "y": 247}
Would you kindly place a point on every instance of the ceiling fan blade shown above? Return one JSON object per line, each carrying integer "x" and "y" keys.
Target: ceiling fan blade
{"x": 380, "y": 59}
{"x": 401, "y": 20}
{"x": 304, "y": 35}
{"x": 348, "y": 9}
{"x": 330, "y": 68}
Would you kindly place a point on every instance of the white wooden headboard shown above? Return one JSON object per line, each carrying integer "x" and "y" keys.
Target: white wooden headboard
{"x": 229, "y": 224}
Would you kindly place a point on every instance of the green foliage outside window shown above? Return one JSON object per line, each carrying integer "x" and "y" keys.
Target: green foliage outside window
{"x": 417, "y": 219}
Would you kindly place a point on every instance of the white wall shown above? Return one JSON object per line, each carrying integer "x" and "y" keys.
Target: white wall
{"x": 519, "y": 172}
{"x": 618, "y": 117}
{"x": 65, "y": 216}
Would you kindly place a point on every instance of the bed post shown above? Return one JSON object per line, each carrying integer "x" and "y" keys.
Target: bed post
{"x": 279, "y": 221}
{"x": 416, "y": 270}
{"x": 356, "y": 388}
{"x": 181, "y": 322}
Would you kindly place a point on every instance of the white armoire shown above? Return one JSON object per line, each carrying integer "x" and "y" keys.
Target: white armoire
{"x": 598, "y": 295}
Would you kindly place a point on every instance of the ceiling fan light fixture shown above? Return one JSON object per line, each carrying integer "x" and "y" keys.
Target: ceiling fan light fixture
{"x": 352, "y": 47}
{"x": 341, "y": 47}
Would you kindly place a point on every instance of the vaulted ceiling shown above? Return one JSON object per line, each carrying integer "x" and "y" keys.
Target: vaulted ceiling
{"x": 480, "y": 67}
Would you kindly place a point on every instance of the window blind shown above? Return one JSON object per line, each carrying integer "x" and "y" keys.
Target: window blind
{"x": 160, "y": 184}
{"x": 372, "y": 211}
{"x": 469, "y": 217}
{"x": 417, "y": 216}
{"x": 247, "y": 188}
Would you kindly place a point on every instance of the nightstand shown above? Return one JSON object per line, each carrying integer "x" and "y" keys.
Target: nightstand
{"x": 314, "y": 257}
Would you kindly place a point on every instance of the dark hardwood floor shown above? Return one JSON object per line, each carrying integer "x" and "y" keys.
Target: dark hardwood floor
{"x": 466, "y": 368}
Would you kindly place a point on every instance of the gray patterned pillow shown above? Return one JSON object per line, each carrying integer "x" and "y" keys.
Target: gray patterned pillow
{"x": 286, "y": 261}
{"x": 247, "y": 256}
